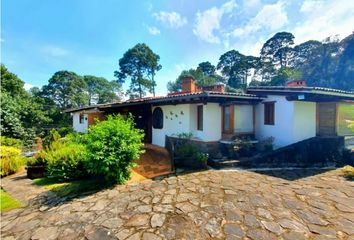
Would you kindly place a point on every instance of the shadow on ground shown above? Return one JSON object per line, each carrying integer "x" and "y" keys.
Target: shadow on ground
{"x": 293, "y": 174}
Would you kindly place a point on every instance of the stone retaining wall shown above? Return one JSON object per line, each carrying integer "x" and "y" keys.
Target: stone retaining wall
{"x": 313, "y": 152}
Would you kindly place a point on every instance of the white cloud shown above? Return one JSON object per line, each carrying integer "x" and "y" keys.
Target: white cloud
{"x": 310, "y": 5}
{"x": 170, "y": 19}
{"x": 271, "y": 16}
{"x": 28, "y": 86}
{"x": 209, "y": 21}
{"x": 54, "y": 51}
{"x": 180, "y": 67}
{"x": 327, "y": 18}
{"x": 153, "y": 30}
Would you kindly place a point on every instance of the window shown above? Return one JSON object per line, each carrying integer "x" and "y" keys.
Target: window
{"x": 228, "y": 119}
{"x": 200, "y": 117}
{"x": 81, "y": 118}
{"x": 269, "y": 113}
{"x": 157, "y": 118}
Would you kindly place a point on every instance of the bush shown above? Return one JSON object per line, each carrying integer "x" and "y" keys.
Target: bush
{"x": 11, "y": 160}
{"x": 112, "y": 146}
{"x": 65, "y": 161}
{"x": 10, "y": 142}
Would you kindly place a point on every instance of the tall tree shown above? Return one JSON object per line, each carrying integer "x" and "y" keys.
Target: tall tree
{"x": 21, "y": 116}
{"x": 140, "y": 64}
{"x": 278, "y": 49}
{"x": 102, "y": 89}
{"x": 236, "y": 67}
{"x": 206, "y": 68}
{"x": 66, "y": 89}
{"x": 201, "y": 79}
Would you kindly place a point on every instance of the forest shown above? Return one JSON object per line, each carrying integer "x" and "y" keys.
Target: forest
{"x": 27, "y": 114}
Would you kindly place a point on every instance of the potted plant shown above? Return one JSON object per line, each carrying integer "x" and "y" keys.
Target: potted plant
{"x": 36, "y": 167}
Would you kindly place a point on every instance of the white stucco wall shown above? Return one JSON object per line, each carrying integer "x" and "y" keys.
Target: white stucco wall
{"x": 282, "y": 130}
{"x": 79, "y": 127}
{"x": 293, "y": 121}
{"x": 187, "y": 122}
{"x": 243, "y": 118}
{"x": 304, "y": 120}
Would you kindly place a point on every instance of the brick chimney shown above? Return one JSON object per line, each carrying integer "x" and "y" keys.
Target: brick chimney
{"x": 296, "y": 83}
{"x": 188, "y": 84}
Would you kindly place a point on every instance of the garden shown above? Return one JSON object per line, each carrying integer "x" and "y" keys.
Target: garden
{"x": 79, "y": 163}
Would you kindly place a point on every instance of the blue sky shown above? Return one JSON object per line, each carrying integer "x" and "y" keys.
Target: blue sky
{"x": 39, "y": 38}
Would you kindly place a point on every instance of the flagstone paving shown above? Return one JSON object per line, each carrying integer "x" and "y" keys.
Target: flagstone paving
{"x": 203, "y": 205}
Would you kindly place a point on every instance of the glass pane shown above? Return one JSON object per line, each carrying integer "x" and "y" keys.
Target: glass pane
{"x": 227, "y": 118}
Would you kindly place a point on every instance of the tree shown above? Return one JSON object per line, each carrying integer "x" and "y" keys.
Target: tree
{"x": 10, "y": 83}
{"x": 200, "y": 78}
{"x": 21, "y": 115}
{"x": 140, "y": 64}
{"x": 345, "y": 72}
{"x": 66, "y": 89}
{"x": 101, "y": 88}
{"x": 277, "y": 49}
{"x": 206, "y": 68}
{"x": 285, "y": 74}
{"x": 236, "y": 68}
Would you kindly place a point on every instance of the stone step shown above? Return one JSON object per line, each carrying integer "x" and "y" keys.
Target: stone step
{"x": 228, "y": 163}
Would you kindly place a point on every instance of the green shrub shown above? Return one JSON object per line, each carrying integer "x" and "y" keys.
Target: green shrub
{"x": 10, "y": 142}
{"x": 112, "y": 146}
{"x": 53, "y": 136}
{"x": 63, "y": 131}
{"x": 11, "y": 160}
{"x": 65, "y": 161}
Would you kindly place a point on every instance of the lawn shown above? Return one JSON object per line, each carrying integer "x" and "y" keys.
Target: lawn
{"x": 71, "y": 188}
{"x": 75, "y": 188}
{"x": 8, "y": 202}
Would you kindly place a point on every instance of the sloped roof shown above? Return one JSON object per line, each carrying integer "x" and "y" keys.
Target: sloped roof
{"x": 289, "y": 90}
{"x": 171, "y": 98}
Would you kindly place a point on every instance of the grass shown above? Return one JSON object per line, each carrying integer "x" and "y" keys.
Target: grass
{"x": 8, "y": 202}
{"x": 78, "y": 187}
{"x": 71, "y": 188}
{"x": 348, "y": 172}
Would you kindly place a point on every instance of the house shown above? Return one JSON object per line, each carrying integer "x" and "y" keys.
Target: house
{"x": 288, "y": 114}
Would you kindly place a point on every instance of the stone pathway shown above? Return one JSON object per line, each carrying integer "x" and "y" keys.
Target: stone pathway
{"x": 22, "y": 188}
{"x": 203, "y": 205}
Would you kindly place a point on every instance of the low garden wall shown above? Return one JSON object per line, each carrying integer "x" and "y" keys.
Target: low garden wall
{"x": 313, "y": 152}
{"x": 192, "y": 148}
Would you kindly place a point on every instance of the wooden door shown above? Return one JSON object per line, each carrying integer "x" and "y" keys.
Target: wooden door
{"x": 326, "y": 119}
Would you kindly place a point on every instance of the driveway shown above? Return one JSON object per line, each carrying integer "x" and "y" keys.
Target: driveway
{"x": 294, "y": 204}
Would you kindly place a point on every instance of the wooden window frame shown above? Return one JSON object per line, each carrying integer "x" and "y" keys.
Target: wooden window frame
{"x": 157, "y": 123}
{"x": 231, "y": 119}
{"x": 269, "y": 113}
{"x": 81, "y": 118}
{"x": 200, "y": 117}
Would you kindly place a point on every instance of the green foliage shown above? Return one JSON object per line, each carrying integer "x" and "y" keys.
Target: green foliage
{"x": 66, "y": 161}
{"x": 10, "y": 142}
{"x": 140, "y": 64}
{"x": 236, "y": 68}
{"x": 11, "y": 160}
{"x": 66, "y": 89}
{"x": 71, "y": 188}
{"x": 285, "y": 74}
{"x": 22, "y": 117}
{"x": 52, "y": 138}
{"x": 348, "y": 172}
{"x": 8, "y": 202}
{"x": 10, "y": 83}
{"x": 203, "y": 75}
{"x": 203, "y": 157}
{"x": 112, "y": 146}
{"x": 100, "y": 88}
